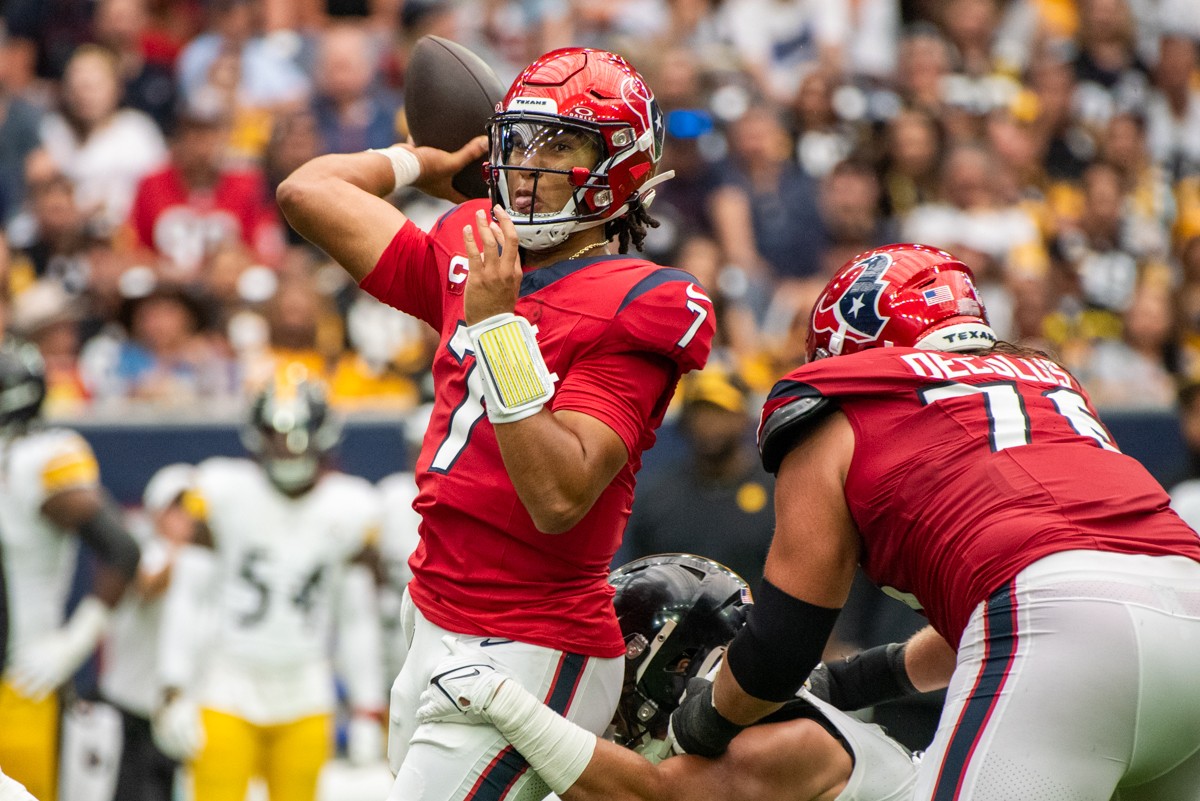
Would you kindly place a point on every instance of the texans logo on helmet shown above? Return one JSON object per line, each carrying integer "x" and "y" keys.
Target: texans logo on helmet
{"x": 858, "y": 305}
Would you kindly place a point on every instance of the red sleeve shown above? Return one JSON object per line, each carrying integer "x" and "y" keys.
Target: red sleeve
{"x": 406, "y": 277}
{"x": 668, "y": 313}
{"x": 622, "y": 390}
{"x": 142, "y": 213}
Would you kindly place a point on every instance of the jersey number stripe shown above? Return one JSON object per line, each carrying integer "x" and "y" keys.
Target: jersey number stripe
{"x": 1008, "y": 421}
{"x": 467, "y": 414}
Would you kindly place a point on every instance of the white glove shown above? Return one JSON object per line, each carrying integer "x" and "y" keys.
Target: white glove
{"x": 13, "y": 790}
{"x": 40, "y": 668}
{"x": 177, "y": 730}
{"x": 364, "y": 740}
{"x": 462, "y": 686}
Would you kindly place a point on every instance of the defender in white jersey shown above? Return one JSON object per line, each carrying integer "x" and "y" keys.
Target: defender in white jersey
{"x": 50, "y": 500}
{"x": 677, "y": 613}
{"x": 285, "y": 549}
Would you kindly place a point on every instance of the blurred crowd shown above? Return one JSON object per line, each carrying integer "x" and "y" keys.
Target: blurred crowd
{"x": 1054, "y": 145}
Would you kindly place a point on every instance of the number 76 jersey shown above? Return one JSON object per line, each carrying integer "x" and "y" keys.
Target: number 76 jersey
{"x": 967, "y": 469}
{"x": 616, "y": 332}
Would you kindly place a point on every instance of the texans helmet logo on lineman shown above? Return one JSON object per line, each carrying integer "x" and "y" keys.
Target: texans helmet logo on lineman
{"x": 857, "y": 310}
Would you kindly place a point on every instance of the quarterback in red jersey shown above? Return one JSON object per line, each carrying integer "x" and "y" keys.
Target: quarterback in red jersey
{"x": 974, "y": 480}
{"x": 556, "y": 365}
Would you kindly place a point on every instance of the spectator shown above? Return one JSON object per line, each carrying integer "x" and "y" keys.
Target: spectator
{"x": 779, "y": 42}
{"x": 850, "y": 201}
{"x": 1173, "y": 112}
{"x": 911, "y": 161}
{"x": 148, "y": 85}
{"x": 48, "y": 316}
{"x": 200, "y": 203}
{"x": 1133, "y": 372}
{"x": 55, "y": 239}
{"x": 1070, "y": 145}
{"x": 765, "y": 211}
{"x": 717, "y": 501}
{"x": 970, "y": 25}
{"x": 294, "y": 140}
{"x": 1149, "y": 206}
{"x": 249, "y": 74}
{"x": 923, "y": 64}
{"x": 970, "y": 211}
{"x": 736, "y": 340}
{"x": 1097, "y": 250}
{"x": 352, "y": 112}
{"x": 165, "y": 356}
{"x": 1111, "y": 75}
{"x": 20, "y": 125}
{"x": 103, "y": 148}
{"x": 821, "y": 140}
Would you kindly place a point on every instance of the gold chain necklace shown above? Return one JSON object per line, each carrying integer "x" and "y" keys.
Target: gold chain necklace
{"x": 586, "y": 248}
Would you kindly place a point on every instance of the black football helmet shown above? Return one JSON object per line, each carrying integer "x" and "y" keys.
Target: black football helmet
{"x": 677, "y": 613}
{"x": 290, "y": 431}
{"x": 22, "y": 383}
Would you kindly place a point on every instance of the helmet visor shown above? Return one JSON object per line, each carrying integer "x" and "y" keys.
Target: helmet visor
{"x": 544, "y": 165}
{"x": 537, "y": 144}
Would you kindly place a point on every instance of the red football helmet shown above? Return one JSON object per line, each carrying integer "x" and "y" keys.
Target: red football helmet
{"x": 571, "y": 105}
{"x": 899, "y": 295}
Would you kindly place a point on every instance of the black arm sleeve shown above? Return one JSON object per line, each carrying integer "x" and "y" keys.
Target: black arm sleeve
{"x": 106, "y": 534}
{"x": 864, "y": 679}
{"x": 780, "y": 644}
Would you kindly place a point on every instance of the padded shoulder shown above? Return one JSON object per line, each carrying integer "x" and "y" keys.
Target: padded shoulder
{"x": 791, "y": 410}
{"x": 667, "y": 311}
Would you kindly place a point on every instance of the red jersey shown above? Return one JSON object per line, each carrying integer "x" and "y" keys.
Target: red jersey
{"x": 617, "y": 332}
{"x": 187, "y": 226}
{"x": 966, "y": 469}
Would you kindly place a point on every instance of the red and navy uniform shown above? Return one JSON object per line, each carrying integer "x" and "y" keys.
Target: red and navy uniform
{"x": 617, "y": 332}
{"x": 967, "y": 469}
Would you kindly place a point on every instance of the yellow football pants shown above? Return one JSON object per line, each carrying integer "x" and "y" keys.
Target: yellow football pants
{"x": 289, "y": 756}
{"x": 29, "y": 741}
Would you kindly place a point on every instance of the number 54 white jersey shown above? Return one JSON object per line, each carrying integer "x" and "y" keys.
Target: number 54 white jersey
{"x": 281, "y": 564}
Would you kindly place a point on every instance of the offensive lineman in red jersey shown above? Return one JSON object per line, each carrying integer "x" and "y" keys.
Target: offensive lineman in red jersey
{"x": 557, "y": 362}
{"x": 974, "y": 480}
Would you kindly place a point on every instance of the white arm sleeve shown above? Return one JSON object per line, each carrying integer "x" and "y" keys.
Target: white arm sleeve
{"x": 360, "y": 637}
{"x": 553, "y": 746}
{"x": 186, "y": 619}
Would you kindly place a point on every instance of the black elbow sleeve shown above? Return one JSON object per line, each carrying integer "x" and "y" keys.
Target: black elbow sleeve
{"x": 106, "y": 534}
{"x": 780, "y": 644}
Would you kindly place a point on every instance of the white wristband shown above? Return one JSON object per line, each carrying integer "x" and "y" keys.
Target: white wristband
{"x": 556, "y": 748}
{"x": 516, "y": 381}
{"x": 405, "y": 164}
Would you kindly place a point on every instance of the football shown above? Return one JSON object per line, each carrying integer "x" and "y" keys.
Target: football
{"x": 450, "y": 93}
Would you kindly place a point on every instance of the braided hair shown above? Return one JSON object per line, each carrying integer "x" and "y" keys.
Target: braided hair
{"x": 630, "y": 227}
